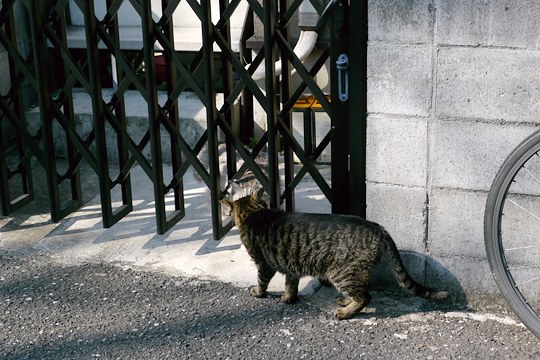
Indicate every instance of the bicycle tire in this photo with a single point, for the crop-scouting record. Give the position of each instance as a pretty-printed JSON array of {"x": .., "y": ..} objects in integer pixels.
[{"x": 497, "y": 249}]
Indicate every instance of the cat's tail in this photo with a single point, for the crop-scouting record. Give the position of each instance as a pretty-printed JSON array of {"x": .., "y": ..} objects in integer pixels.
[{"x": 391, "y": 254}]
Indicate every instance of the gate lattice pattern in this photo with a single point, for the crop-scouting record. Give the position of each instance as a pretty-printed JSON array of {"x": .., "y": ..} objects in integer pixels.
[{"x": 54, "y": 86}]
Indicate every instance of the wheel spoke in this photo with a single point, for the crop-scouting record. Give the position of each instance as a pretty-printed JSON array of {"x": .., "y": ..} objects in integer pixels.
[
  {"x": 521, "y": 247},
  {"x": 522, "y": 208},
  {"x": 527, "y": 281},
  {"x": 522, "y": 267},
  {"x": 530, "y": 173}
]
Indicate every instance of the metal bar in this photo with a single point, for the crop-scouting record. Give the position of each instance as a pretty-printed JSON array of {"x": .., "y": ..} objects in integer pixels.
[
  {"x": 318, "y": 151},
  {"x": 246, "y": 119},
  {"x": 269, "y": 7},
  {"x": 5, "y": 194},
  {"x": 39, "y": 45},
  {"x": 308, "y": 164},
  {"x": 339, "y": 43},
  {"x": 257, "y": 8},
  {"x": 14, "y": 119},
  {"x": 309, "y": 131},
  {"x": 73, "y": 173},
  {"x": 288, "y": 10},
  {"x": 99, "y": 113},
  {"x": 358, "y": 33},
  {"x": 174, "y": 118},
  {"x": 60, "y": 45},
  {"x": 5, "y": 197},
  {"x": 244, "y": 75},
  {"x": 119, "y": 109},
  {"x": 227, "y": 77},
  {"x": 25, "y": 165},
  {"x": 14, "y": 55},
  {"x": 308, "y": 79},
  {"x": 302, "y": 86},
  {"x": 9, "y": 205},
  {"x": 248, "y": 156},
  {"x": 212, "y": 117},
  {"x": 153, "y": 116},
  {"x": 188, "y": 75},
  {"x": 288, "y": 153}
]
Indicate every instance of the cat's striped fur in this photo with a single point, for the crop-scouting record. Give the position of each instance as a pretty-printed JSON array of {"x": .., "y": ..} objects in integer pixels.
[{"x": 343, "y": 249}]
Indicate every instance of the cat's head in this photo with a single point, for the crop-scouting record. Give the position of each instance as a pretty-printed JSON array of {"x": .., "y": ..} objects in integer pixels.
[
  {"x": 237, "y": 190},
  {"x": 240, "y": 209}
]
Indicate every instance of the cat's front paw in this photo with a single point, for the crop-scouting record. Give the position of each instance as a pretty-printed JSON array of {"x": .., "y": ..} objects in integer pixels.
[
  {"x": 257, "y": 292},
  {"x": 289, "y": 299}
]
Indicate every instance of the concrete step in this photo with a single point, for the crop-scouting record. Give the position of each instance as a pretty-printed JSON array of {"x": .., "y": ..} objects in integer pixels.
[{"x": 192, "y": 120}]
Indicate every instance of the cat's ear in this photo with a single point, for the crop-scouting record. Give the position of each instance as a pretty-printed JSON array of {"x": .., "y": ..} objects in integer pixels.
[
  {"x": 227, "y": 205},
  {"x": 233, "y": 184},
  {"x": 258, "y": 195}
]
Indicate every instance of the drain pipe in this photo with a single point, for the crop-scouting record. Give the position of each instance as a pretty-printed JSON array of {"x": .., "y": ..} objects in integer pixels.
[{"x": 308, "y": 21}]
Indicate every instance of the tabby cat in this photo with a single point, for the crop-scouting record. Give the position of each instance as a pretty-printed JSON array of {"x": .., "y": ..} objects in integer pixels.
[{"x": 341, "y": 248}]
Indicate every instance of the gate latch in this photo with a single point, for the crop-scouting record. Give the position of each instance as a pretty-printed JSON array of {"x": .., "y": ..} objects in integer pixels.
[{"x": 342, "y": 64}]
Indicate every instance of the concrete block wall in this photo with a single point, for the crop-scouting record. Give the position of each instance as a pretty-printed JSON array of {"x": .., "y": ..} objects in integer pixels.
[{"x": 453, "y": 87}]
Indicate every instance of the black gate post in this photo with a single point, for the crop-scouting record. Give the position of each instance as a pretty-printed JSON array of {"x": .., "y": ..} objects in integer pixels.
[
  {"x": 98, "y": 113},
  {"x": 211, "y": 121},
  {"x": 358, "y": 39},
  {"x": 285, "y": 93},
  {"x": 339, "y": 44},
  {"x": 119, "y": 109},
  {"x": 269, "y": 23}
]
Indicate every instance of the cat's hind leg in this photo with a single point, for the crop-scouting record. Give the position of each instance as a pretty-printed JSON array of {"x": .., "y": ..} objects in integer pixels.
[
  {"x": 353, "y": 307},
  {"x": 353, "y": 281},
  {"x": 264, "y": 275},
  {"x": 344, "y": 301},
  {"x": 291, "y": 289}
]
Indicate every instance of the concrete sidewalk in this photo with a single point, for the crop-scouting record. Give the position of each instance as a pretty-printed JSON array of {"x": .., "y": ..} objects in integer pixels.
[{"x": 187, "y": 250}]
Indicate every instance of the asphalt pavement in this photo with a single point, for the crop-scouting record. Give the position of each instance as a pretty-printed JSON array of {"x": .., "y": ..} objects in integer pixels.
[
  {"x": 102, "y": 311},
  {"x": 74, "y": 290}
]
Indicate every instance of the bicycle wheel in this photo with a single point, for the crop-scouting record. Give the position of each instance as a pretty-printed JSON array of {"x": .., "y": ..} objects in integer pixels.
[{"x": 512, "y": 231}]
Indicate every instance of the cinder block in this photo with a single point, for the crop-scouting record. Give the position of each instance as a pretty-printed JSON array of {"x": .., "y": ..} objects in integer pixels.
[
  {"x": 488, "y": 23},
  {"x": 396, "y": 150},
  {"x": 402, "y": 211},
  {"x": 399, "y": 79},
  {"x": 401, "y": 21},
  {"x": 495, "y": 84},
  {"x": 467, "y": 155},
  {"x": 456, "y": 223}
]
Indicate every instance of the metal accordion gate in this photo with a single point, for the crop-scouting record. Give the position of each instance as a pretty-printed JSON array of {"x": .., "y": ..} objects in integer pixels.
[{"x": 51, "y": 71}]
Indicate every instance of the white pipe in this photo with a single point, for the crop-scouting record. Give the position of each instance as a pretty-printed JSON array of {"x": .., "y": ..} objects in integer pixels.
[
  {"x": 306, "y": 40},
  {"x": 304, "y": 47}
]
